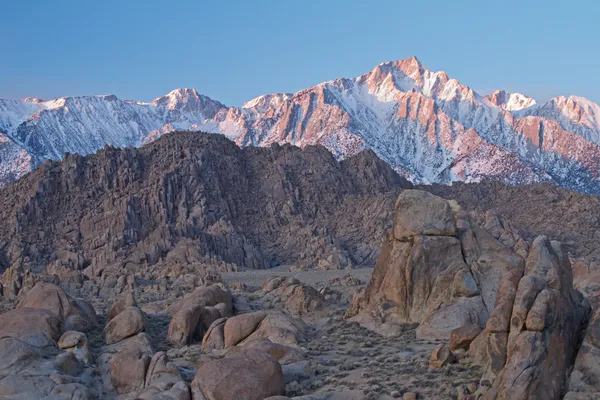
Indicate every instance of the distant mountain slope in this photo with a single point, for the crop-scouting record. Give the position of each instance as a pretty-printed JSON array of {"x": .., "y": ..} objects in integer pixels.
[{"x": 427, "y": 126}]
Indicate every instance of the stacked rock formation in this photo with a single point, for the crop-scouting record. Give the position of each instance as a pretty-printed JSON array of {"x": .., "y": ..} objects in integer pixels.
[{"x": 514, "y": 308}]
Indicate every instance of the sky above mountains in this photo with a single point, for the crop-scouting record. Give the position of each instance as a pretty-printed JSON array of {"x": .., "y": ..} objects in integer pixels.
[{"x": 236, "y": 50}]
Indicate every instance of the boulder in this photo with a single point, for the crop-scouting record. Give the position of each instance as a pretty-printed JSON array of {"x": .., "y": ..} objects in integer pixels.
[
  {"x": 128, "y": 323},
  {"x": 74, "y": 313},
  {"x": 461, "y": 338},
  {"x": 441, "y": 356},
  {"x": 215, "y": 336},
  {"x": 224, "y": 310},
  {"x": 420, "y": 213},
  {"x": 16, "y": 354},
  {"x": 37, "y": 327},
  {"x": 239, "y": 327},
  {"x": 208, "y": 295},
  {"x": 300, "y": 298},
  {"x": 124, "y": 301},
  {"x": 279, "y": 328},
  {"x": 208, "y": 315},
  {"x": 163, "y": 381},
  {"x": 76, "y": 343},
  {"x": 161, "y": 373},
  {"x": 251, "y": 375},
  {"x": 284, "y": 354},
  {"x": 137, "y": 344},
  {"x": 191, "y": 318},
  {"x": 128, "y": 370},
  {"x": 68, "y": 364},
  {"x": 183, "y": 324}
]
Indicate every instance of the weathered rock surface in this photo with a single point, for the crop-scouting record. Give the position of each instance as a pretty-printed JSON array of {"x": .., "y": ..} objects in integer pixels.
[
  {"x": 275, "y": 326},
  {"x": 441, "y": 356},
  {"x": 251, "y": 375},
  {"x": 193, "y": 315},
  {"x": 429, "y": 215},
  {"x": 456, "y": 282},
  {"x": 239, "y": 327},
  {"x": 124, "y": 301},
  {"x": 584, "y": 382},
  {"x": 39, "y": 328},
  {"x": 295, "y": 296},
  {"x": 76, "y": 314},
  {"x": 532, "y": 337},
  {"x": 77, "y": 343},
  {"x": 422, "y": 275},
  {"x": 129, "y": 322},
  {"x": 128, "y": 370}
]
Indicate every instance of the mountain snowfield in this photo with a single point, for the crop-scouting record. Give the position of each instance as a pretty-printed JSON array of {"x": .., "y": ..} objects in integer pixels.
[{"x": 429, "y": 127}]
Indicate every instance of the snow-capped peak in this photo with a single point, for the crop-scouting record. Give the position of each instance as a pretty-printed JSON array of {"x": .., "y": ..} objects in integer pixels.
[
  {"x": 268, "y": 100},
  {"x": 425, "y": 124},
  {"x": 510, "y": 101},
  {"x": 33, "y": 100},
  {"x": 578, "y": 109},
  {"x": 175, "y": 98}
]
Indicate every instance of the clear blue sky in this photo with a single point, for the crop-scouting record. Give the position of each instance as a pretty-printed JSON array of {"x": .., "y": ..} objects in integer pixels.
[{"x": 236, "y": 50}]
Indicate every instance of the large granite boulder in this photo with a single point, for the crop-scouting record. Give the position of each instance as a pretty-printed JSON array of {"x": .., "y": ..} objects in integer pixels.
[
  {"x": 251, "y": 375},
  {"x": 291, "y": 294},
  {"x": 275, "y": 326},
  {"x": 129, "y": 322},
  {"x": 37, "y": 327},
  {"x": 76, "y": 314}
]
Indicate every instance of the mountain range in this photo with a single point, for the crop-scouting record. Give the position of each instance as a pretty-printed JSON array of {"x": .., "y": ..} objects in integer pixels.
[{"x": 429, "y": 127}]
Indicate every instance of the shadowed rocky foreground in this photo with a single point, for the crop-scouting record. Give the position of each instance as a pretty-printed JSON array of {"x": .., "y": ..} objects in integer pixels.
[{"x": 143, "y": 274}]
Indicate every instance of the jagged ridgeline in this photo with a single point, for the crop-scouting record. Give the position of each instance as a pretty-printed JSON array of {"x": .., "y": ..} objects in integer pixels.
[{"x": 194, "y": 197}]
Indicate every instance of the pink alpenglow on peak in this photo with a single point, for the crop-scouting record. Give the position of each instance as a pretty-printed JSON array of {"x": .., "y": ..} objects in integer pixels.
[{"x": 428, "y": 126}]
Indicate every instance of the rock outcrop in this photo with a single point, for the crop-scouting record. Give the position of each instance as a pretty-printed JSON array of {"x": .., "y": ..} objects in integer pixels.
[
  {"x": 584, "y": 382},
  {"x": 295, "y": 296},
  {"x": 533, "y": 334},
  {"x": 513, "y": 305},
  {"x": 193, "y": 315},
  {"x": 128, "y": 322},
  {"x": 429, "y": 270},
  {"x": 275, "y": 326}
]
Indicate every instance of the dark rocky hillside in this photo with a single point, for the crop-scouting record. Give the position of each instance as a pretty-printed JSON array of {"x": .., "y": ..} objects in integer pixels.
[
  {"x": 191, "y": 197},
  {"x": 571, "y": 217}
]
